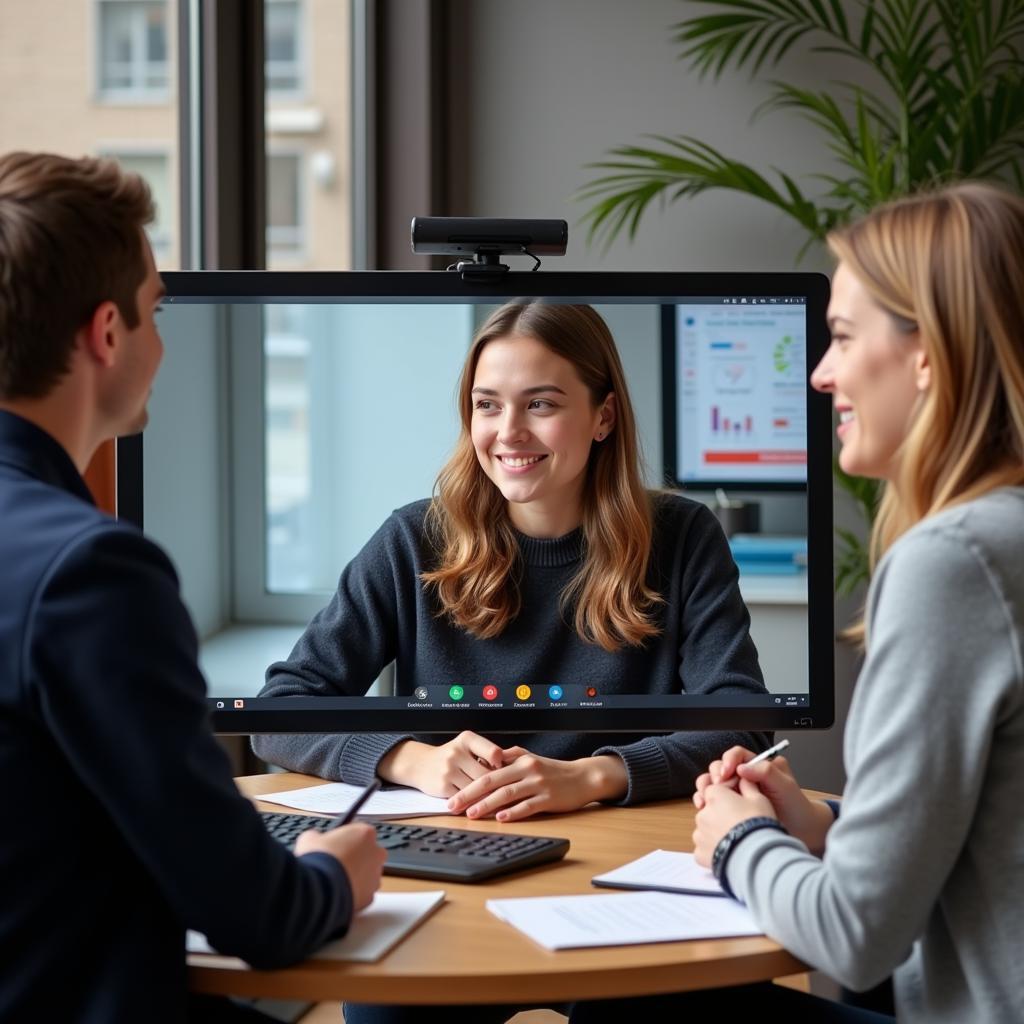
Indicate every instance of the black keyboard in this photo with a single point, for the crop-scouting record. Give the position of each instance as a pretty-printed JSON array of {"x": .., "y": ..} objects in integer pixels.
[{"x": 425, "y": 851}]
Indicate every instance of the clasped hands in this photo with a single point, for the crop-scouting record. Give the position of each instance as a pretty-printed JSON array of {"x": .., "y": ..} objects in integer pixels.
[
  {"x": 482, "y": 779},
  {"x": 731, "y": 791}
]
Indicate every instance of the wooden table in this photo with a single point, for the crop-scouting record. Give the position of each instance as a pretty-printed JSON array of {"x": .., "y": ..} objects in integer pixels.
[{"x": 463, "y": 954}]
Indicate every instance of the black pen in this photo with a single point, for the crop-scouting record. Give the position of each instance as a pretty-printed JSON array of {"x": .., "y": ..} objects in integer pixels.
[{"x": 346, "y": 818}]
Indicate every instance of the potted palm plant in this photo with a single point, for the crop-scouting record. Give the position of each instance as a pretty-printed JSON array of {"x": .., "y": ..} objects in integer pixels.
[{"x": 948, "y": 104}]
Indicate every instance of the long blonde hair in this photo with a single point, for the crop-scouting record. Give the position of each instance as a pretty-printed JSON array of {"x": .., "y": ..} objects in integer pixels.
[
  {"x": 475, "y": 579},
  {"x": 951, "y": 263}
]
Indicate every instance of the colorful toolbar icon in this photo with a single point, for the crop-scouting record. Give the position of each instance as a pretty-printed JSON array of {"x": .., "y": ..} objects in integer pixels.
[
  {"x": 591, "y": 692},
  {"x": 554, "y": 693},
  {"x": 523, "y": 692},
  {"x": 421, "y": 693},
  {"x": 456, "y": 693},
  {"x": 490, "y": 693}
]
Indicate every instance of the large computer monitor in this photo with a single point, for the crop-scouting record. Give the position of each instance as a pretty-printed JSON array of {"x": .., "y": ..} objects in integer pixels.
[{"x": 295, "y": 411}]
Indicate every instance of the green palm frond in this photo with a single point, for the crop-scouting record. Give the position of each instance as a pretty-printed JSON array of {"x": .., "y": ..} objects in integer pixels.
[
  {"x": 852, "y": 567},
  {"x": 866, "y": 493},
  {"x": 852, "y": 563},
  {"x": 949, "y": 105},
  {"x": 751, "y": 32},
  {"x": 864, "y": 141},
  {"x": 681, "y": 167}
]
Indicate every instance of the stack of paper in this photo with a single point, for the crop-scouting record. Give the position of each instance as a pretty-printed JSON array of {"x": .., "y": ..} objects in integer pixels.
[
  {"x": 574, "y": 922},
  {"x": 375, "y": 930},
  {"x": 337, "y": 797},
  {"x": 663, "y": 871}
]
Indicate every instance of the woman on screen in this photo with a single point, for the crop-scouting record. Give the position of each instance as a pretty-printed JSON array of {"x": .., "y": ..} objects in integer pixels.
[
  {"x": 540, "y": 561},
  {"x": 922, "y": 874}
]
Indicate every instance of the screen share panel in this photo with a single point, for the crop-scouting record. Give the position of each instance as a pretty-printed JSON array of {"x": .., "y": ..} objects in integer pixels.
[
  {"x": 737, "y": 392},
  {"x": 293, "y": 413}
]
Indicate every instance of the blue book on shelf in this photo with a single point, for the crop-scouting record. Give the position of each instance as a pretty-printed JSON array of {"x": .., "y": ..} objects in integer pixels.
[
  {"x": 769, "y": 568},
  {"x": 763, "y": 554}
]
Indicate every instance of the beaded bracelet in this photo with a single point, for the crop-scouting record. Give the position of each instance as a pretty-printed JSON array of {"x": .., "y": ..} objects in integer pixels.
[{"x": 729, "y": 842}]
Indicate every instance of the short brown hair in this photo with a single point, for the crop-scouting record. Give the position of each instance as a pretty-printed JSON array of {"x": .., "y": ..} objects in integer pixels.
[{"x": 70, "y": 239}]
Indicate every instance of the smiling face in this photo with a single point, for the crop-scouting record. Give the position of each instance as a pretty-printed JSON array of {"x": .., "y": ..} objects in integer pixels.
[
  {"x": 533, "y": 425},
  {"x": 875, "y": 373}
]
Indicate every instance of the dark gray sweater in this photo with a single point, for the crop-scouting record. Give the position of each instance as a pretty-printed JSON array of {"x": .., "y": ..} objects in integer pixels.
[{"x": 382, "y": 612}]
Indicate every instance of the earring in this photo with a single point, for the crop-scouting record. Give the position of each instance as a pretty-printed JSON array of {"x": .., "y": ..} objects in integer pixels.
[{"x": 600, "y": 437}]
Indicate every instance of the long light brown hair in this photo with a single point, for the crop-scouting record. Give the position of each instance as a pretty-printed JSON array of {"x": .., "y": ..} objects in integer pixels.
[
  {"x": 950, "y": 263},
  {"x": 475, "y": 579}
]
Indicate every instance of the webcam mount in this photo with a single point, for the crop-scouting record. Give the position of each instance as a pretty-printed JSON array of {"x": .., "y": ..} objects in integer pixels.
[{"x": 482, "y": 240}]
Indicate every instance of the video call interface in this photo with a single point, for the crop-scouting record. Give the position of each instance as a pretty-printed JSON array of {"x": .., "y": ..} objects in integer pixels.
[{"x": 288, "y": 431}]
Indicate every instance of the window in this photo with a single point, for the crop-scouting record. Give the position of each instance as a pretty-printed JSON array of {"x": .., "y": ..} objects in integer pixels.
[
  {"x": 133, "y": 61},
  {"x": 58, "y": 80},
  {"x": 283, "y": 39},
  {"x": 335, "y": 393},
  {"x": 307, "y": 60},
  {"x": 154, "y": 167},
  {"x": 287, "y": 481},
  {"x": 286, "y": 232}
]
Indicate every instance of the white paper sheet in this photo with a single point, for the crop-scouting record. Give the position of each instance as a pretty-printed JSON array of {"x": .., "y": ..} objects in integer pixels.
[
  {"x": 375, "y": 930},
  {"x": 664, "y": 870},
  {"x": 337, "y": 797},
  {"x": 623, "y": 919}
]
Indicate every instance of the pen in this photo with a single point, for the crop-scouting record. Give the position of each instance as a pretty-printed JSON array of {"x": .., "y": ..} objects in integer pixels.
[
  {"x": 346, "y": 818},
  {"x": 765, "y": 755}
]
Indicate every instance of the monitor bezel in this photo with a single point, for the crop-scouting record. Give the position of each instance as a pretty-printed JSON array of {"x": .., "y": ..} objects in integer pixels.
[{"x": 658, "y": 288}]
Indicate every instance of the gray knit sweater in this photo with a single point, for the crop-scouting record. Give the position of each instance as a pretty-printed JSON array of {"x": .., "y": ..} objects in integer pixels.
[
  {"x": 924, "y": 870},
  {"x": 381, "y": 611}
]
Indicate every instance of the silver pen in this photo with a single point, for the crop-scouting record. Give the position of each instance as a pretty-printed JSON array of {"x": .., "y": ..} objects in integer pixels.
[{"x": 765, "y": 755}]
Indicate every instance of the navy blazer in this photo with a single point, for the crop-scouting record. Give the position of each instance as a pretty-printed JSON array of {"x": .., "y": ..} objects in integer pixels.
[{"x": 122, "y": 823}]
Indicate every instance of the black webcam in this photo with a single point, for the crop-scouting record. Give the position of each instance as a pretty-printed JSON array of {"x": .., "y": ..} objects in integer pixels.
[{"x": 483, "y": 239}]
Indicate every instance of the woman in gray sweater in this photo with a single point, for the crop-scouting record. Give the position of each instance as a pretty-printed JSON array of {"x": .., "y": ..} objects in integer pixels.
[{"x": 921, "y": 876}]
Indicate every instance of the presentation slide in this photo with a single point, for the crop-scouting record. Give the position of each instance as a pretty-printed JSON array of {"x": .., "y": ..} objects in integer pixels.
[{"x": 742, "y": 392}]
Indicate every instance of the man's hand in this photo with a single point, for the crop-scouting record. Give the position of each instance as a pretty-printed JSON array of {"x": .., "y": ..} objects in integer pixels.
[
  {"x": 807, "y": 820},
  {"x": 443, "y": 770},
  {"x": 724, "y": 807},
  {"x": 529, "y": 784},
  {"x": 355, "y": 848}
]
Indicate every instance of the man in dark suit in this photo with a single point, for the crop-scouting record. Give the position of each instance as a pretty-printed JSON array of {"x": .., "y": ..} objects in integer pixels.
[{"x": 123, "y": 826}]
